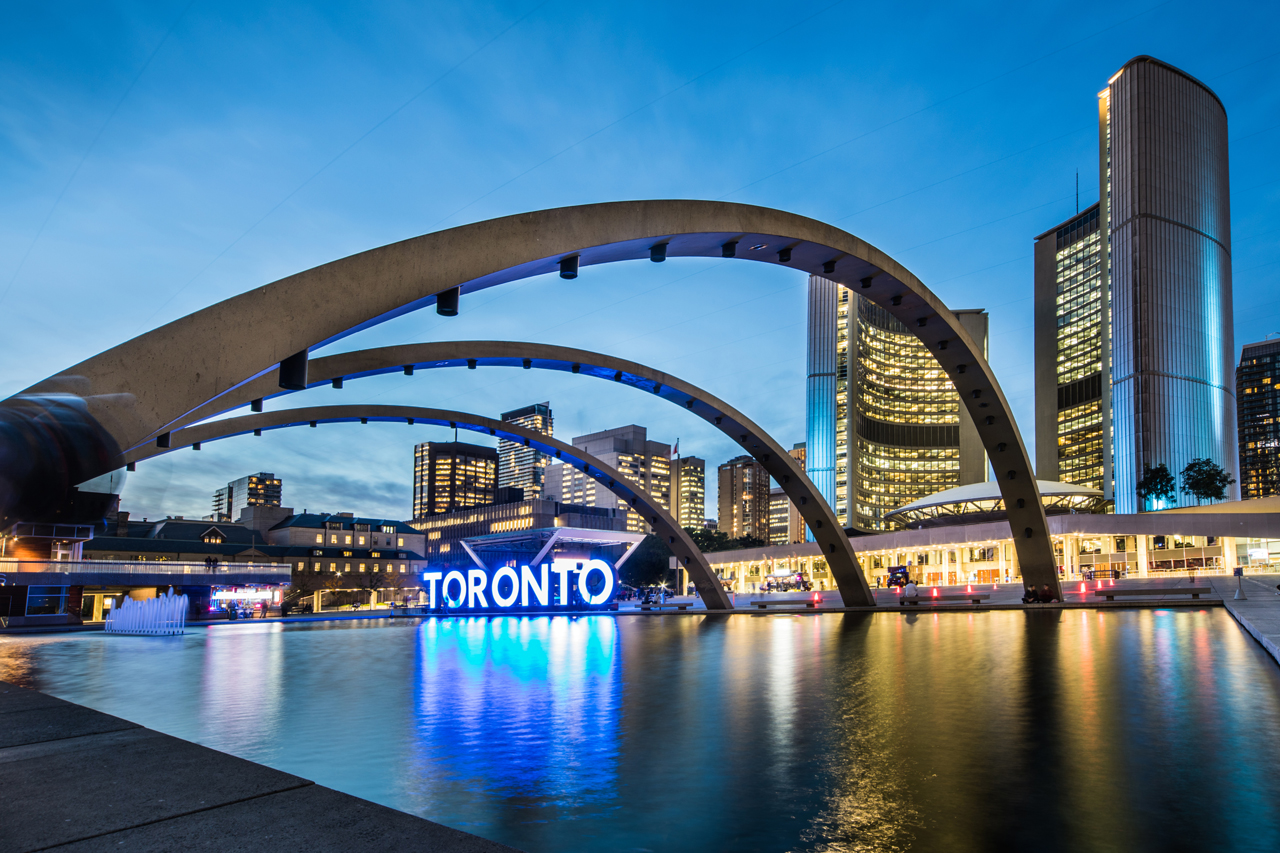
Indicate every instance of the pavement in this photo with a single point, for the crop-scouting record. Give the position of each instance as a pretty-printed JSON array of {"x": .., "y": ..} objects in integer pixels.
[
  {"x": 1259, "y": 612},
  {"x": 75, "y": 779}
]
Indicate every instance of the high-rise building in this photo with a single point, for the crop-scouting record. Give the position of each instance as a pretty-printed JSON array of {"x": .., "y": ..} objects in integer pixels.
[
  {"x": 689, "y": 491},
  {"x": 795, "y": 522},
  {"x": 448, "y": 476},
  {"x": 1072, "y": 341},
  {"x": 743, "y": 498},
  {"x": 520, "y": 466},
  {"x": 779, "y": 516},
  {"x": 885, "y": 424},
  {"x": 261, "y": 489},
  {"x": 1258, "y": 404},
  {"x": 628, "y": 449},
  {"x": 1134, "y": 338}
]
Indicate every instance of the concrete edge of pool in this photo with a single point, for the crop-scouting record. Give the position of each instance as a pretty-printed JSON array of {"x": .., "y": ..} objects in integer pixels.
[{"x": 77, "y": 779}]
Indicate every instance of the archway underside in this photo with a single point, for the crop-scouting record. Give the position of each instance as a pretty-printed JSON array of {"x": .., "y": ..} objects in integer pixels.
[
  {"x": 663, "y": 524},
  {"x": 141, "y": 388},
  {"x": 817, "y": 513}
]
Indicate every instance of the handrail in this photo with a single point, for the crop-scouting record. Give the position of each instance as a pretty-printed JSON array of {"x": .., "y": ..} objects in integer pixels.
[{"x": 141, "y": 567}]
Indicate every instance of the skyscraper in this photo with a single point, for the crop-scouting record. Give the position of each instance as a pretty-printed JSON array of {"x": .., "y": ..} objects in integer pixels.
[
  {"x": 261, "y": 489},
  {"x": 1134, "y": 339},
  {"x": 628, "y": 449},
  {"x": 452, "y": 475},
  {"x": 520, "y": 466},
  {"x": 689, "y": 491},
  {"x": 885, "y": 424},
  {"x": 744, "y": 498},
  {"x": 1258, "y": 396},
  {"x": 1072, "y": 342}
]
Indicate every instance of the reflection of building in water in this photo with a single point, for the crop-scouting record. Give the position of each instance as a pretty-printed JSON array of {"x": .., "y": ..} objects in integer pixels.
[{"x": 961, "y": 536}]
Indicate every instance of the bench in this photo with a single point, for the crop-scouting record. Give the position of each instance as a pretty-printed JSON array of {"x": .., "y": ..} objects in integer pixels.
[
  {"x": 975, "y": 597},
  {"x": 794, "y": 602},
  {"x": 677, "y": 605},
  {"x": 1193, "y": 591}
]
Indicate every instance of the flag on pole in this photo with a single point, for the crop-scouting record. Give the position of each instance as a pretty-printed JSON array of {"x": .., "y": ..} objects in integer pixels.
[{"x": 675, "y": 450}]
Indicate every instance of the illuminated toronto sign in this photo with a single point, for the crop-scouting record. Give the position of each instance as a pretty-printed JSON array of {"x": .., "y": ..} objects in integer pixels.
[{"x": 563, "y": 584}]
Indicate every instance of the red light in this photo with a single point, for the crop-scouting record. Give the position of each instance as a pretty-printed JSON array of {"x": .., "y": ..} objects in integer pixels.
[
  {"x": 935, "y": 591},
  {"x": 1082, "y": 588}
]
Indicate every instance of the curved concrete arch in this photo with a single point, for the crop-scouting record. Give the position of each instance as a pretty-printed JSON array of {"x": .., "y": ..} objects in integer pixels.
[
  {"x": 817, "y": 513},
  {"x": 700, "y": 572},
  {"x": 140, "y": 388}
]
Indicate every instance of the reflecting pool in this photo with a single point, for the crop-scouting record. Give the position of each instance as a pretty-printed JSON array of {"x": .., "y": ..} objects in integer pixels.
[{"x": 1069, "y": 730}]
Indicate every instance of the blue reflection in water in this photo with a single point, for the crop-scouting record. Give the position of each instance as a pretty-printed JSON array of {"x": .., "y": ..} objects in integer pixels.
[{"x": 1078, "y": 730}]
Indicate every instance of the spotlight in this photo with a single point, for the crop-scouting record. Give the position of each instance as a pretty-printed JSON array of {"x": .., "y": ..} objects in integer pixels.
[
  {"x": 408, "y": 370},
  {"x": 897, "y": 300},
  {"x": 658, "y": 253},
  {"x": 132, "y": 466},
  {"x": 256, "y": 405},
  {"x": 569, "y": 267},
  {"x": 729, "y": 250},
  {"x": 865, "y": 282},
  {"x": 828, "y": 267},
  {"x": 447, "y": 302},
  {"x": 337, "y": 382},
  {"x": 471, "y": 364},
  {"x": 784, "y": 255},
  {"x": 528, "y": 363}
]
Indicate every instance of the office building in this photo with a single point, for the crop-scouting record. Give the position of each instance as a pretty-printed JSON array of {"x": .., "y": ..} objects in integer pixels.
[
  {"x": 1073, "y": 387},
  {"x": 1134, "y": 340},
  {"x": 525, "y": 467},
  {"x": 743, "y": 499},
  {"x": 885, "y": 424},
  {"x": 627, "y": 449},
  {"x": 689, "y": 491},
  {"x": 1258, "y": 405},
  {"x": 795, "y": 522},
  {"x": 779, "y": 516},
  {"x": 448, "y": 476},
  {"x": 255, "y": 490}
]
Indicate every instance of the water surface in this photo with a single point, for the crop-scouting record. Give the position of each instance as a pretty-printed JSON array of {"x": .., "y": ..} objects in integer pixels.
[{"x": 1068, "y": 730}]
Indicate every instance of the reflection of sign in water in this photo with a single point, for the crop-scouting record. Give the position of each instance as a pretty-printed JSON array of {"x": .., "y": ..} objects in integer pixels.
[{"x": 561, "y": 584}]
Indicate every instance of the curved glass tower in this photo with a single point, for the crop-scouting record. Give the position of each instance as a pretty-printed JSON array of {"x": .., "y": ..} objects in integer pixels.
[{"x": 1166, "y": 208}]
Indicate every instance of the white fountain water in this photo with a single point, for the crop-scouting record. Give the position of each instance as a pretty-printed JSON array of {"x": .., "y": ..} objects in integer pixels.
[{"x": 165, "y": 614}]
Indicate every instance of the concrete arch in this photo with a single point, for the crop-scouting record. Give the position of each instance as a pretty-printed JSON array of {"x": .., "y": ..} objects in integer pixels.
[
  {"x": 818, "y": 515},
  {"x": 712, "y": 592},
  {"x": 139, "y": 389}
]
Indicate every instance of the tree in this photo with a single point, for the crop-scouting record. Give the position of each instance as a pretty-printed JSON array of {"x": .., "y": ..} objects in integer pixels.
[
  {"x": 648, "y": 565},
  {"x": 1205, "y": 480},
  {"x": 709, "y": 541},
  {"x": 1156, "y": 484}
]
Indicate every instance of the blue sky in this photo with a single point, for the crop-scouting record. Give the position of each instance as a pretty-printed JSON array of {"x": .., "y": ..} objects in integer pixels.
[{"x": 159, "y": 157}]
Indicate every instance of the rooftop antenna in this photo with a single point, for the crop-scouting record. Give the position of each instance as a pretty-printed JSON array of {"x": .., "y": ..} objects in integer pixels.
[{"x": 1077, "y": 192}]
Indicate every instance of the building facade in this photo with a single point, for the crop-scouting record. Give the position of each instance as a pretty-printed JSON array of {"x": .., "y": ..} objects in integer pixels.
[
  {"x": 448, "y": 476},
  {"x": 689, "y": 491},
  {"x": 261, "y": 489},
  {"x": 779, "y": 516},
  {"x": 743, "y": 498},
  {"x": 885, "y": 424},
  {"x": 627, "y": 449},
  {"x": 525, "y": 467},
  {"x": 1072, "y": 361},
  {"x": 1258, "y": 407},
  {"x": 1165, "y": 207}
]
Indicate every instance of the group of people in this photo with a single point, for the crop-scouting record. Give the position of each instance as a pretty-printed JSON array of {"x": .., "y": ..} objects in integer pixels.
[{"x": 1044, "y": 596}]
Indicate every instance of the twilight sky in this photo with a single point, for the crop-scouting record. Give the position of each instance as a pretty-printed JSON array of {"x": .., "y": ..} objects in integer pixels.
[{"x": 159, "y": 157}]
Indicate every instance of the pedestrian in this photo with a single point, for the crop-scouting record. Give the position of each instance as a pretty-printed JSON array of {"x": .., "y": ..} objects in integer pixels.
[
  {"x": 1031, "y": 596},
  {"x": 911, "y": 590},
  {"x": 1047, "y": 595}
]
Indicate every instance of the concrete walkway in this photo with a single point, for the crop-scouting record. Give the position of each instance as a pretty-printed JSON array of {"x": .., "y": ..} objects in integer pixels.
[
  {"x": 75, "y": 779},
  {"x": 1259, "y": 615}
]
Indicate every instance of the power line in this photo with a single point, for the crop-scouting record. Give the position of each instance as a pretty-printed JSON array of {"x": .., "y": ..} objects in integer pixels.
[
  {"x": 89, "y": 150},
  {"x": 343, "y": 152}
]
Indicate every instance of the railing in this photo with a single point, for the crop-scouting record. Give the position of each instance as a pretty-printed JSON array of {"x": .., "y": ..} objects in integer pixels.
[{"x": 142, "y": 567}]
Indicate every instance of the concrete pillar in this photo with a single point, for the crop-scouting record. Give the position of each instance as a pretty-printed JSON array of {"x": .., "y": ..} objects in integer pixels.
[
  {"x": 317, "y": 598},
  {"x": 373, "y": 598},
  {"x": 1228, "y": 552},
  {"x": 1142, "y": 556}
]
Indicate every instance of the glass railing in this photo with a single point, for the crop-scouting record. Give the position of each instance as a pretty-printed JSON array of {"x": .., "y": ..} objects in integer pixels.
[{"x": 142, "y": 567}]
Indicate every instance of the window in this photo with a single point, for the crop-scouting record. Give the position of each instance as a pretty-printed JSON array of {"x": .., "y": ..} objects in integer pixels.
[
  {"x": 319, "y": 538},
  {"x": 388, "y": 528},
  {"x": 46, "y": 600},
  {"x": 402, "y": 568},
  {"x": 400, "y": 542},
  {"x": 362, "y": 567},
  {"x": 361, "y": 542},
  {"x": 347, "y": 540},
  {"x": 333, "y": 539}
]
